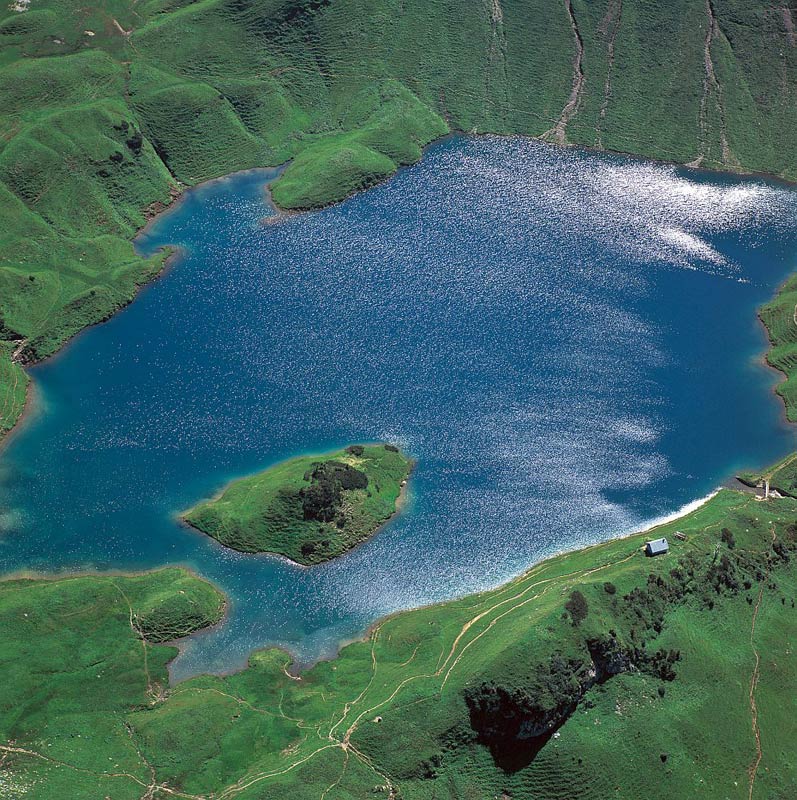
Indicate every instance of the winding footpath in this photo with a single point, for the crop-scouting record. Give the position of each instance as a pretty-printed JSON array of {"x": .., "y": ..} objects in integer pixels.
[{"x": 753, "y": 770}]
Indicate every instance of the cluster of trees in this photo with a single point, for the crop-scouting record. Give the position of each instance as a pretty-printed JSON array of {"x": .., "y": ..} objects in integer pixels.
[
  {"x": 522, "y": 709},
  {"x": 328, "y": 480}
]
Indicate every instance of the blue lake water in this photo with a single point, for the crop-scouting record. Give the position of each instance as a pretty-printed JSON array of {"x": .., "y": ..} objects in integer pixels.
[{"x": 566, "y": 342}]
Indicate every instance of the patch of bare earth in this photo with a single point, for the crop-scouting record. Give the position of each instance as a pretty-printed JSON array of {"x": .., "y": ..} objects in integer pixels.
[
  {"x": 496, "y": 54},
  {"x": 788, "y": 24},
  {"x": 608, "y": 28},
  {"x": 558, "y": 133},
  {"x": 712, "y": 92}
]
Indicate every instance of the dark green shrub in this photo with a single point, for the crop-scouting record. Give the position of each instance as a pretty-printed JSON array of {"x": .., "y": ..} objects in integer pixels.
[
  {"x": 577, "y": 607},
  {"x": 728, "y": 538}
]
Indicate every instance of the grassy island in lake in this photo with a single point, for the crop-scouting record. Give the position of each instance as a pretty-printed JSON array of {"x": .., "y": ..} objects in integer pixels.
[{"x": 309, "y": 509}]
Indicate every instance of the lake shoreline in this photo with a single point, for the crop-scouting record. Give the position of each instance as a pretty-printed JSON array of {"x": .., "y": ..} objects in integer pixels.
[
  {"x": 172, "y": 258},
  {"x": 282, "y": 214},
  {"x": 668, "y": 519},
  {"x": 297, "y": 667}
]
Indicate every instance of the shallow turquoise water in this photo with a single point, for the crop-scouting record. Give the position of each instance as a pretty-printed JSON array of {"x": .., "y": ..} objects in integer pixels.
[{"x": 565, "y": 341}]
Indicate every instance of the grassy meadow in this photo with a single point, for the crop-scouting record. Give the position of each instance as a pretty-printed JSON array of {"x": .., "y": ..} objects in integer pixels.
[
  {"x": 599, "y": 673},
  {"x": 309, "y": 509}
]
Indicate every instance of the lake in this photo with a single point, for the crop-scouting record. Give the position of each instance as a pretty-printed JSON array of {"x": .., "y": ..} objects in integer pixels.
[{"x": 566, "y": 342}]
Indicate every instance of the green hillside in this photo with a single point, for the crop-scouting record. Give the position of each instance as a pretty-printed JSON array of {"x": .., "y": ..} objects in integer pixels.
[
  {"x": 780, "y": 319},
  {"x": 600, "y": 673},
  {"x": 309, "y": 509},
  {"x": 108, "y": 109},
  {"x": 597, "y": 674}
]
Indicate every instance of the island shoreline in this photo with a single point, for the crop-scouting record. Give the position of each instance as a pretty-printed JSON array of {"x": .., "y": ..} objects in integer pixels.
[
  {"x": 296, "y": 666},
  {"x": 180, "y": 516},
  {"x": 184, "y": 523}
]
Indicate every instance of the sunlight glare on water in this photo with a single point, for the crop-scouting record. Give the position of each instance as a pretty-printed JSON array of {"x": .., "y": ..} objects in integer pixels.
[{"x": 565, "y": 341}]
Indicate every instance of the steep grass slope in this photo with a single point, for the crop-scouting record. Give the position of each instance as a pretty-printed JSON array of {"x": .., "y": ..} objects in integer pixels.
[
  {"x": 597, "y": 674},
  {"x": 77, "y": 655},
  {"x": 108, "y": 109}
]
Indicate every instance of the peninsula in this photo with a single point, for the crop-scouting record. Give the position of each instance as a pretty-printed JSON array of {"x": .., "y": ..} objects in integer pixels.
[{"x": 309, "y": 509}]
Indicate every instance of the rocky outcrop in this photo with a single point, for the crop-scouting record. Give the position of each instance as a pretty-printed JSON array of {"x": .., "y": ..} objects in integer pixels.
[{"x": 516, "y": 721}]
